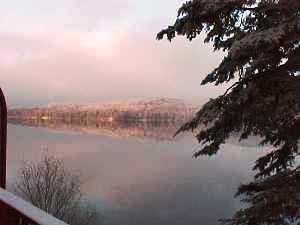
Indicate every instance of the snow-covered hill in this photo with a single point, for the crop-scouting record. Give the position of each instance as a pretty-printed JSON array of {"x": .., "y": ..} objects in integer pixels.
[{"x": 161, "y": 109}]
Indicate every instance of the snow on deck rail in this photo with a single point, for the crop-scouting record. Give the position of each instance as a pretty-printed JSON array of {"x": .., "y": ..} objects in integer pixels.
[{"x": 27, "y": 210}]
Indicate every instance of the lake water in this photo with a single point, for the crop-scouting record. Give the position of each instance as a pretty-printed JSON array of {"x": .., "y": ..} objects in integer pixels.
[{"x": 140, "y": 175}]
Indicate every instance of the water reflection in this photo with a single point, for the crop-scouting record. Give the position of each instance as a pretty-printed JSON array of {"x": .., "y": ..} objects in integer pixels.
[
  {"x": 140, "y": 180},
  {"x": 157, "y": 131}
]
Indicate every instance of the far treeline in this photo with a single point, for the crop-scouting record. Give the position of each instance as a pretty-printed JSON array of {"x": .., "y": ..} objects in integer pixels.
[{"x": 175, "y": 114}]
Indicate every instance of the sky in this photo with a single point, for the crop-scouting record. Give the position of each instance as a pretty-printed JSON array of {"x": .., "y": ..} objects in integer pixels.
[{"x": 78, "y": 51}]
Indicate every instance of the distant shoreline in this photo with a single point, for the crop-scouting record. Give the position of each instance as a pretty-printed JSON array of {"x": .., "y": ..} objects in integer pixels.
[{"x": 151, "y": 111}]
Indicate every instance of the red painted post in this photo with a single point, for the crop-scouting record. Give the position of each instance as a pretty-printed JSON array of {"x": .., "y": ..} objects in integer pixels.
[
  {"x": 10, "y": 216},
  {"x": 3, "y": 138}
]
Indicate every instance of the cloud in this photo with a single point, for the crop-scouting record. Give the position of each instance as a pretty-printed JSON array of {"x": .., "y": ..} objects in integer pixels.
[
  {"x": 74, "y": 50},
  {"x": 80, "y": 67},
  {"x": 83, "y": 15},
  {"x": 60, "y": 14}
]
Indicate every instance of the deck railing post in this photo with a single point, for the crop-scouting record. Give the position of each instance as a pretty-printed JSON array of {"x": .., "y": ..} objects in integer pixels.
[{"x": 3, "y": 138}]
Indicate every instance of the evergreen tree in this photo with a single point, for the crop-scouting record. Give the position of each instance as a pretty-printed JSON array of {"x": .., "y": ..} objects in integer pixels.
[{"x": 261, "y": 39}]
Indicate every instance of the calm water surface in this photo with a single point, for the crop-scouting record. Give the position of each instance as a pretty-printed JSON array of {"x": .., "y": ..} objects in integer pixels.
[{"x": 139, "y": 178}]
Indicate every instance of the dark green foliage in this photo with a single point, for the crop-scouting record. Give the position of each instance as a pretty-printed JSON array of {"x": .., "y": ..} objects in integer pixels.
[
  {"x": 261, "y": 40},
  {"x": 273, "y": 201}
]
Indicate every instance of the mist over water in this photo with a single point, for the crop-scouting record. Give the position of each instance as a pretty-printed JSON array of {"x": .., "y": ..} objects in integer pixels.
[{"x": 139, "y": 179}]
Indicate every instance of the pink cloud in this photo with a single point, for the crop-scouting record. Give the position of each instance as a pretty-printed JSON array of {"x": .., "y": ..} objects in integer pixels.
[{"x": 81, "y": 66}]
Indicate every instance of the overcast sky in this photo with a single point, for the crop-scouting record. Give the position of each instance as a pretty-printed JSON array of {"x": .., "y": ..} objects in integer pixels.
[{"x": 94, "y": 50}]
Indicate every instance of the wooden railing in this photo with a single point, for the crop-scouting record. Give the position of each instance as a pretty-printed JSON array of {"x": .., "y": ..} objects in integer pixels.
[
  {"x": 3, "y": 138},
  {"x": 16, "y": 211}
]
